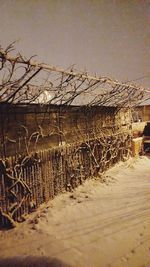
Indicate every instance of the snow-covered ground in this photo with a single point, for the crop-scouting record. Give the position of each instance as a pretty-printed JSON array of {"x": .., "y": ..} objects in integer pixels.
[{"x": 98, "y": 225}]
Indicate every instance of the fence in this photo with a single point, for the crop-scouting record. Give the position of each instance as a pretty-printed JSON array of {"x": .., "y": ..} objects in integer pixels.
[{"x": 26, "y": 182}]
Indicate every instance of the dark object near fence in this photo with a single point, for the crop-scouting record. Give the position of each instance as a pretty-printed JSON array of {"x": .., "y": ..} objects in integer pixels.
[{"x": 146, "y": 139}]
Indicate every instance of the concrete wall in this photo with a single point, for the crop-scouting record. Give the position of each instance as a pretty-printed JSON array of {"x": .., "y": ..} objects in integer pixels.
[{"x": 38, "y": 127}]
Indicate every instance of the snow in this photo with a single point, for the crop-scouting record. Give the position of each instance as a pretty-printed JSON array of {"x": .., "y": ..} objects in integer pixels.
[{"x": 104, "y": 222}]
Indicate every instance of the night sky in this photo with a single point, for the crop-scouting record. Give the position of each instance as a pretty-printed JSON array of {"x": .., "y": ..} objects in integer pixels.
[{"x": 106, "y": 37}]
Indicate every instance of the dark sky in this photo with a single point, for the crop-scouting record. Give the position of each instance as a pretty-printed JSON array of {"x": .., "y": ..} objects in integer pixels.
[{"x": 107, "y": 37}]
